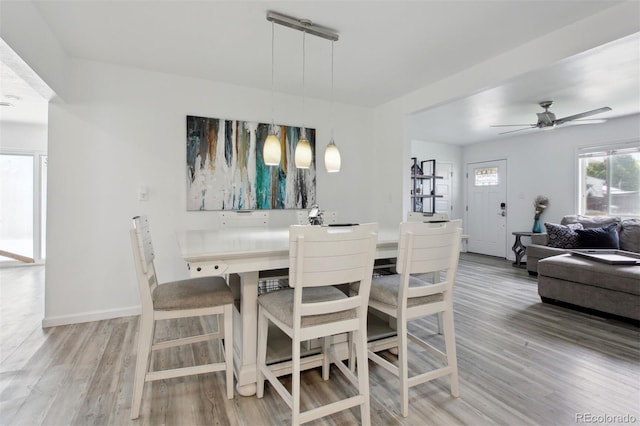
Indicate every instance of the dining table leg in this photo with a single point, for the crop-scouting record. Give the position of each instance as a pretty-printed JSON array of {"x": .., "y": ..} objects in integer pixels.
[{"x": 247, "y": 321}]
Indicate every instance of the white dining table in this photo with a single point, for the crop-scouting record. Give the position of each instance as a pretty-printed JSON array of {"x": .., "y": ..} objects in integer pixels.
[{"x": 247, "y": 252}]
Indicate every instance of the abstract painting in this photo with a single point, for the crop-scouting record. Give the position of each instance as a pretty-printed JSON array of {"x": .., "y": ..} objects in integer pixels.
[{"x": 225, "y": 169}]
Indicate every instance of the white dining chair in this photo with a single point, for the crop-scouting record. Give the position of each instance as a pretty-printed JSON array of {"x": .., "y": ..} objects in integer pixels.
[
  {"x": 328, "y": 217},
  {"x": 426, "y": 217},
  {"x": 244, "y": 219},
  {"x": 433, "y": 250},
  {"x": 319, "y": 258},
  {"x": 302, "y": 217},
  {"x": 430, "y": 218},
  {"x": 193, "y": 297}
]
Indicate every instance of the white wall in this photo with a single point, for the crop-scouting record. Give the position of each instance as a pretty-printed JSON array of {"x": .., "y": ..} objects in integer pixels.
[{"x": 123, "y": 128}]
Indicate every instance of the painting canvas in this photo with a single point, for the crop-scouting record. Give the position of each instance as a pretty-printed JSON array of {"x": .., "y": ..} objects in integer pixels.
[{"x": 225, "y": 169}]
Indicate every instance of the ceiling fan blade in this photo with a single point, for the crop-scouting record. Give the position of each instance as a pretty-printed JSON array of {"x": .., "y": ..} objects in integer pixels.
[
  {"x": 588, "y": 121},
  {"x": 582, "y": 115},
  {"x": 511, "y": 125},
  {"x": 517, "y": 130}
]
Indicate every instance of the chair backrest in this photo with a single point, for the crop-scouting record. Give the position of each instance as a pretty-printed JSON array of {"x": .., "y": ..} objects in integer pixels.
[
  {"x": 302, "y": 217},
  {"x": 143, "y": 256},
  {"x": 426, "y": 217},
  {"x": 327, "y": 217},
  {"x": 323, "y": 256},
  {"x": 244, "y": 219},
  {"x": 428, "y": 247}
]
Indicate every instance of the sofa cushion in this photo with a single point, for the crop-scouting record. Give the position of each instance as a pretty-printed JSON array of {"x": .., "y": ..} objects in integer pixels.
[
  {"x": 562, "y": 236},
  {"x": 629, "y": 234},
  {"x": 589, "y": 221},
  {"x": 605, "y": 237},
  {"x": 624, "y": 278}
]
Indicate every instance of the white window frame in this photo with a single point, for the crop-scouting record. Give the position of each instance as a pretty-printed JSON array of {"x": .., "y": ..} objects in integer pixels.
[{"x": 601, "y": 150}]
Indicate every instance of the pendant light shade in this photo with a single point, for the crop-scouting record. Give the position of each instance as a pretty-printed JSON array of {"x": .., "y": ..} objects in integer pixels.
[
  {"x": 303, "y": 152},
  {"x": 332, "y": 161},
  {"x": 271, "y": 151}
]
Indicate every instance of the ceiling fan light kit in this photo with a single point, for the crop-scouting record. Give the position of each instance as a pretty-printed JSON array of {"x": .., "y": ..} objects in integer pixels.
[{"x": 547, "y": 119}]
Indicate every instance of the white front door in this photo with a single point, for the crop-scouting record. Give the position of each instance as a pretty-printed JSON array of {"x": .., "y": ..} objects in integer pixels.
[{"x": 486, "y": 208}]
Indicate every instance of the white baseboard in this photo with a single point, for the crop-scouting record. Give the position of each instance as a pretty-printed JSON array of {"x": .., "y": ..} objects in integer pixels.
[{"x": 91, "y": 316}]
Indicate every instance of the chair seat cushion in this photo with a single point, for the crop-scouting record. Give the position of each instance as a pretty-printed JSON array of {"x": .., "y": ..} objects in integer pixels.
[
  {"x": 385, "y": 289},
  {"x": 192, "y": 293},
  {"x": 280, "y": 305}
]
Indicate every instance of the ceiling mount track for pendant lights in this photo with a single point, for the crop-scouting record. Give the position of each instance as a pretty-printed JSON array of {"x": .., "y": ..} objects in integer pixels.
[{"x": 304, "y": 25}]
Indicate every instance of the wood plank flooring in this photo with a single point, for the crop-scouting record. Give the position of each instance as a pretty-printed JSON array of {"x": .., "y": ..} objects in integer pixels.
[{"x": 521, "y": 362}]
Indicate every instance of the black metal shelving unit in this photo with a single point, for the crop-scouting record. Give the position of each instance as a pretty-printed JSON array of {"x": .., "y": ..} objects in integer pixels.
[{"x": 420, "y": 179}]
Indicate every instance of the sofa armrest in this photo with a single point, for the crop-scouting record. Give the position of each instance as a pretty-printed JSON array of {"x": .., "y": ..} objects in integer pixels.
[
  {"x": 540, "y": 239},
  {"x": 536, "y": 252}
]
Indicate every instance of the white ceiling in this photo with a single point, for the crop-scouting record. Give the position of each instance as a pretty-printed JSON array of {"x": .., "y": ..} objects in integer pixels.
[
  {"x": 386, "y": 49},
  {"x": 24, "y": 96}
]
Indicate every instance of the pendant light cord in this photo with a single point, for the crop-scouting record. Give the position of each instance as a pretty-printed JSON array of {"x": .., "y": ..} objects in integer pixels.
[
  {"x": 332, "y": 124},
  {"x": 304, "y": 127},
  {"x": 272, "y": 72}
]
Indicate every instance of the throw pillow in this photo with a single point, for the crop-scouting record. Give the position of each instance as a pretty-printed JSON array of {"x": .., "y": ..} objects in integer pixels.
[
  {"x": 562, "y": 236},
  {"x": 605, "y": 237}
]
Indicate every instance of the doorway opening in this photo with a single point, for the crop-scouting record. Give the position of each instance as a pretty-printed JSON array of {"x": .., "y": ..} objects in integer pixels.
[{"x": 23, "y": 192}]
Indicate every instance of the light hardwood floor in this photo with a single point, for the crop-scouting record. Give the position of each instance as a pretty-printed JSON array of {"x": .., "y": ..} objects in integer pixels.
[{"x": 521, "y": 363}]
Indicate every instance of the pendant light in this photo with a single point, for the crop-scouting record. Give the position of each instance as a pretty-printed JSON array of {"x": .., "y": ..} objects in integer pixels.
[
  {"x": 332, "y": 160},
  {"x": 303, "y": 153},
  {"x": 272, "y": 151},
  {"x": 303, "y": 148}
]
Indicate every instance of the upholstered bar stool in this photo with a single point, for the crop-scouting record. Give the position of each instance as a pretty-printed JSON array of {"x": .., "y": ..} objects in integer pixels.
[
  {"x": 191, "y": 297},
  {"x": 320, "y": 258},
  {"x": 424, "y": 248}
]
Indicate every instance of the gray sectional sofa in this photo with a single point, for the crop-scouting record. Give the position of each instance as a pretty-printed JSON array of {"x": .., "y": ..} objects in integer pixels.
[
  {"x": 562, "y": 277},
  {"x": 541, "y": 247}
]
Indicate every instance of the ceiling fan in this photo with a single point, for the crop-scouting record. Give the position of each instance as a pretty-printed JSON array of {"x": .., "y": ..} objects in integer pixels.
[{"x": 548, "y": 119}]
